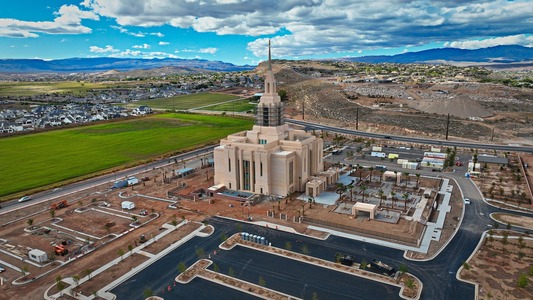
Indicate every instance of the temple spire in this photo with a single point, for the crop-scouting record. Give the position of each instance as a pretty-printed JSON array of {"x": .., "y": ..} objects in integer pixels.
[{"x": 269, "y": 57}]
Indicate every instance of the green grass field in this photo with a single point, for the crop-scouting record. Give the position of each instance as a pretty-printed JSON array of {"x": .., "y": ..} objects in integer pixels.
[
  {"x": 185, "y": 101},
  {"x": 239, "y": 106},
  {"x": 37, "y": 160},
  {"x": 36, "y": 88}
]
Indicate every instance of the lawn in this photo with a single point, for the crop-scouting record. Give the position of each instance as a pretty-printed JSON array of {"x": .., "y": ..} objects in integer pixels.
[
  {"x": 238, "y": 105},
  {"x": 36, "y": 160},
  {"x": 36, "y": 88},
  {"x": 184, "y": 102}
]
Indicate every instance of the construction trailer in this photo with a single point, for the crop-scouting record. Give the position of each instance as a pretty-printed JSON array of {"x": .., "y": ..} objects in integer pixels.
[
  {"x": 378, "y": 154},
  {"x": 38, "y": 255},
  {"x": 127, "y": 205}
]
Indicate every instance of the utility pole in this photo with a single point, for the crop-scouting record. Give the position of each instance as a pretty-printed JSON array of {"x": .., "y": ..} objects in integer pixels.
[
  {"x": 447, "y": 126},
  {"x": 357, "y": 118},
  {"x": 492, "y": 135},
  {"x": 303, "y": 108}
]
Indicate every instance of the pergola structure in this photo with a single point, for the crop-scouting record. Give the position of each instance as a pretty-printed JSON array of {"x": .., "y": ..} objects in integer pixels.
[{"x": 370, "y": 208}]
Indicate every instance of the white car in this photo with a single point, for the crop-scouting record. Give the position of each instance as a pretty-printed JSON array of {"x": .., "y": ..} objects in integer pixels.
[
  {"x": 25, "y": 198},
  {"x": 467, "y": 201}
]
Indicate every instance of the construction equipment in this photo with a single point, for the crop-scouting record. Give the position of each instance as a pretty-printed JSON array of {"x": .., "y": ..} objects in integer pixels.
[
  {"x": 59, "y": 205},
  {"x": 60, "y": 250}
]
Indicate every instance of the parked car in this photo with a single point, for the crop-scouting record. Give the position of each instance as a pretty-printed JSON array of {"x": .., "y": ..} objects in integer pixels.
[
  {"x": 467, "y": 201},
  {"x": 25, "y": 198},
  {"x": 2, "y": 269}
]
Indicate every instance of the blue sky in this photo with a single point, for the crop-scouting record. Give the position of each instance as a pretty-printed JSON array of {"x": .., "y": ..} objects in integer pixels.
[{"x": 237, "y": 31}]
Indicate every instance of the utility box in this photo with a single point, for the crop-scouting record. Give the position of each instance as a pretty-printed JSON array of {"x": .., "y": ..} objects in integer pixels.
[
  {"x": 38, "y": 255},
  {"x": 128, "y": 205}
]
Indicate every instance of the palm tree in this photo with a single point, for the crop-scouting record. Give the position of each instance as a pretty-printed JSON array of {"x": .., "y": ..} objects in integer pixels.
[
  {"x": 393, "y": 195},
  {"x": 350, "y": 187},
  {"x": 405, "y": 197},
  {"x": 395, "y": 177},
  {"x": 371, "y": 169},
  {"x": 340, "y": 189},
  {"x": 363, "y": 188},
  {"x": 417, "y": 179},
  {"x": 381, "y": 175},
  {"x": 406, "y": 174},
  {"x": 381, "y": 194}
]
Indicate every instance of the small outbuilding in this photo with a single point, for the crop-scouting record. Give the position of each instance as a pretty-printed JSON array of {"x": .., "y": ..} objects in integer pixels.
[
  {"x": 128, "y": 205},
  {"x": 38, "y": 255}
]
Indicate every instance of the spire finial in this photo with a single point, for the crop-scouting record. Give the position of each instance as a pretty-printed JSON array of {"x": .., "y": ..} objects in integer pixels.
[{"x": 269, "y": 57}]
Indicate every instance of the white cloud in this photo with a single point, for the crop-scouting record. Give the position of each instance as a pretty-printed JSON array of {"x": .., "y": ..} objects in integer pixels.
[
  {"x": 106, "y": 49},
  {"x": 158, "y": 34},
  {"x": 313, "y": 27},
  {"x": 163, "y": 43},
  {"x": 143, "y": 46},
  {"x": 68, "y": 21},
  {"x": 141, "y": 54},
  {"x": 209, "y": 50},
  {"x": 519, "y": 39}
]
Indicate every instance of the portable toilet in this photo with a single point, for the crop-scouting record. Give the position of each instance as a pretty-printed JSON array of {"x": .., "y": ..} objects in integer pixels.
[{"x": 263, "y": 240}]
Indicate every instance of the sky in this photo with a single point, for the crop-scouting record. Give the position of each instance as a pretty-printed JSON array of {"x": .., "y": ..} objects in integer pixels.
[{"x": 237, "y": 31}]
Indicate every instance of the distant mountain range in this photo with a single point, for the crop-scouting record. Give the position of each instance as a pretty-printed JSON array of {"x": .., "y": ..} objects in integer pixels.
[
  {"x": 103, "y": 64},
  {"x": 497, "y": 54}
]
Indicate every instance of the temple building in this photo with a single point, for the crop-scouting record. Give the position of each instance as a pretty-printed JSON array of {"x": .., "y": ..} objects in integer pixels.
[{"x": 272, "y": 158}]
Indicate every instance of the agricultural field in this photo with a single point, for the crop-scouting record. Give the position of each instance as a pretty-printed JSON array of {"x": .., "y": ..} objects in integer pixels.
[
  {"x": 184, "y": 102},
  {"x": 36, "y": 160},
  {"x": 238, "y": 106},
  {"x": 36, "y": 88}
]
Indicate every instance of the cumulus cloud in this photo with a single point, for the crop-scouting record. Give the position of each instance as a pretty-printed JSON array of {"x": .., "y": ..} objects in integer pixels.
[
  {"x": 209, "y": 50},
  {"x": 143, "y": 46},
  {"x": 519, "y": 39},
  {"x": 142, "y": 54},
  {"x": 312, "y": 27},
  {"x": 163, "y": 43},
  {"x": 67, "y": 21},
  {"x": 106, "y": 49}
]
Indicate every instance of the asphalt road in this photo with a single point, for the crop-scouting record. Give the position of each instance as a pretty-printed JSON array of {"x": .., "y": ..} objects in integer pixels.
[
  {"x": 310, "y": 126},
  {"x": 105, "y": 179}
]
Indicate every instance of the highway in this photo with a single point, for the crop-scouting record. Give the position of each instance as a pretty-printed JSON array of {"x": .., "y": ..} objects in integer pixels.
[{"x": 448, "y": 143}]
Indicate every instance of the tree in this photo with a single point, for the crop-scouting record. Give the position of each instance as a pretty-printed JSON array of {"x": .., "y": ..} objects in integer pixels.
[
  {"x": 107, "y": 227},
  {"x": 371, "y": 169},
  {"x": 409, "y": 282},
  {"x": 134, "y": 219},
  {"x": 364, "y": 264},
  {"x": 24, "y": 270},
  {"x": 262, "y": 281},
  {"x": 288, "y": 246},
  {"x": 181, "y": 267},
  {"x": 417, "y": 179},
  {"x": 340, "y": 189},
  {"x": 52, "y": 213},
  {"x": 315, "y": 296},
  {"x": 231, "y": 273},
  {"x": 76, "y": 279},
  {"x": 304, "y": 250},
  {"x": 393, "y": 197},
  {"x": 216, "y": 267},
  {"x": 350, "y": 187},
  {"x": 381, "y": 195},
  {"x": 148, "y": 293},
  {"x": 200, "y": 253},
  {"x": 406, "y": 174},
  {"x": 59, "y": 283},
  {"x": 120, "y": 253},
  {"x": 405, "y": 198},
  {"x": 130, "y": 249},
  {"x": 363, "y": 189},
  {"x": 30, "y": 222}
]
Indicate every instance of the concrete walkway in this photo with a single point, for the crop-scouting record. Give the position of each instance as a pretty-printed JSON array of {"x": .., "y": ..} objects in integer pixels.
[{"x": 104, "y": 292}]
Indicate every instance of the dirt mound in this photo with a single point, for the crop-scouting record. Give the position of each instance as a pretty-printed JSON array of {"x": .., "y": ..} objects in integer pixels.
[{"x": 461, "y": 106}]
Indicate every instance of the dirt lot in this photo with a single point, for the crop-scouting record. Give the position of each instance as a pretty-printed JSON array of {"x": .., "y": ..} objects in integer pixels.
[
  {"x": 506, "y": 183},
  {"x": 497, "y": 266}
]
